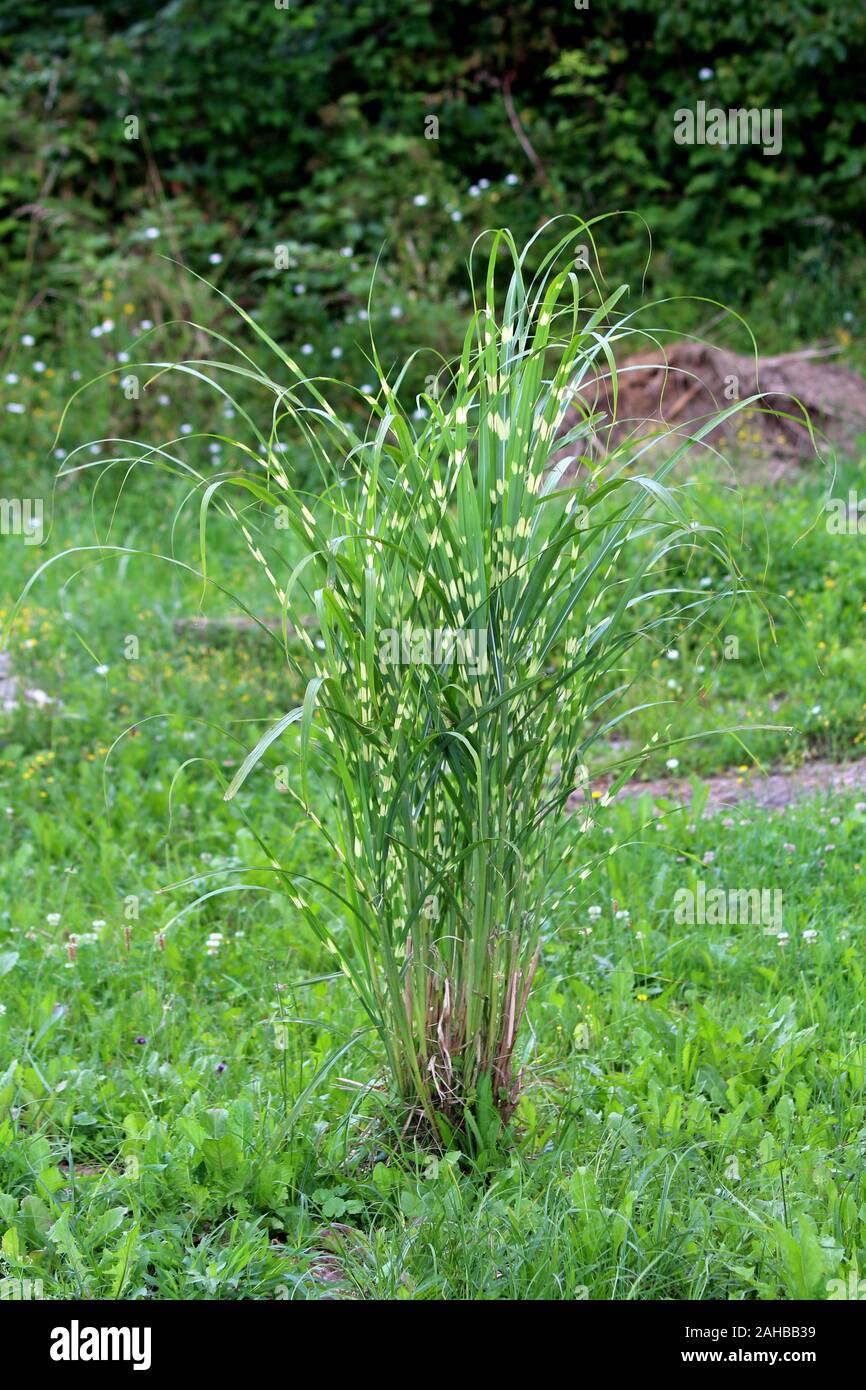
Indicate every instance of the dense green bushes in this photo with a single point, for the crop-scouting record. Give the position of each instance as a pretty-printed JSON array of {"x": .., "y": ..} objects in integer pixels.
[{"x": 307, "y": 128}]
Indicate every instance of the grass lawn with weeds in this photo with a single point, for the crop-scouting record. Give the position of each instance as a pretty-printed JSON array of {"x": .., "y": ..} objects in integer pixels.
[{"x": 191, "y": 1104}]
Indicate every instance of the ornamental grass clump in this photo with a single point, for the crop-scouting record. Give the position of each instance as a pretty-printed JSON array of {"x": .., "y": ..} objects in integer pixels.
[{"x": 477, "y": 585}]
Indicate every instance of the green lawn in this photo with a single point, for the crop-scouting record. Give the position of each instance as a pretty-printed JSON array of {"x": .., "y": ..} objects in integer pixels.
[{"x": 189, "y": 1103}]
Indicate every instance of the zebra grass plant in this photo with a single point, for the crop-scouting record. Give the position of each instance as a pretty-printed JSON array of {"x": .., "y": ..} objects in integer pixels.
[{"x": 485, "y": 584}]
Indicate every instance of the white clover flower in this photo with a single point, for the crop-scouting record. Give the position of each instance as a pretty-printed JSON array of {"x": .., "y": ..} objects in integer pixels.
[
  {"x": 709, "y": 856},
  {"x": 672, "y": 763},
  {"x": 15, "y": 409},
  {"x": 420, "y": 200},
  {"x": 53, "y": 919},
  {"x": 151, "y": 233},
  {"x": 594, "y": 913},
  {"x": 511, "y": 180},
  {"x": 215, "y": 258},
  {"x": 28, "y": 339},
  {"x": 11, "y": 378},
  {"x": 39, "y": 367},
  {"x": 306, "y": 349},
  {"x": 810, "y": 936},
  {"x": 102, "y": 670}
]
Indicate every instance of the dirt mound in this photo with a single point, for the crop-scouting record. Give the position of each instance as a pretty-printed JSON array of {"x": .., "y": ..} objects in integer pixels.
[{"x": 689, "y": 382}]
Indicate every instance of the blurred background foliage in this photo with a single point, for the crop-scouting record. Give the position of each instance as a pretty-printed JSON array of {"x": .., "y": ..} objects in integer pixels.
[{"x": 282, "y": 151}]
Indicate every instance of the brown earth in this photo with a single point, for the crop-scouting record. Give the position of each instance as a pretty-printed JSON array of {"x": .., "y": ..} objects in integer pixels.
[
  {"x": 689, "y": 382},
  {"x": 772, "y": 790}
]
